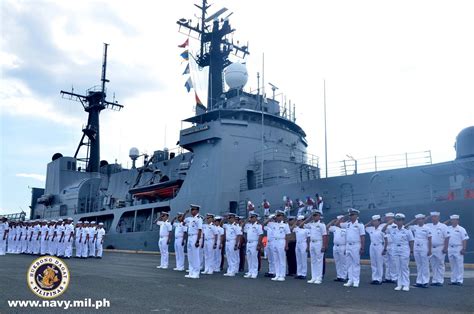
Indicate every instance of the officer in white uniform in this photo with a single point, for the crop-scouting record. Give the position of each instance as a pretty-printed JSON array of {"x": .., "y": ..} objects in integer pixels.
[
  {"x": 165, "y": 239},
  {"x": 232, "y": 235},
  {"x": 68, "y": 237},
  {"x": 11, "y": 236},
  {"x": 44, "y": 237},
  {"x": 301, "y": 250},
  {"x": 439, "y": 248},
  {"x": 219, "y": 245},
  {"x": 3, "y": 235},
  {"x": 269, "y": 247},
  {"x": 179, "y": 229},
  {"x": 78, "y": 238},
  {"x": 99, "y": 240},
  {"x": 339, "y": 247},
  {"x": 24, "y": 238},
  {"x": 456, "y": 250},
  {"x": 377, "y": 243},
  {"x": 92, "y": 231},
  {"x": 254, "y": 232},
  {"x": 280, "y": 230},
  {"x": 390, "y": 274},
  {"x": 317, "y": 247},
  {"x": 85, "y": 239},
  {"x": 402, "y": 246},
  {"x": 209, "y": 231},
  {"x": 52, "y": 247},
  {"x": 355, "y": 243},
  {"x": 194, "y": 231},
  {"x": 61, "y": 236},
  {"x": 36, "y": 237},
  {"x": 421, "y": 250}
]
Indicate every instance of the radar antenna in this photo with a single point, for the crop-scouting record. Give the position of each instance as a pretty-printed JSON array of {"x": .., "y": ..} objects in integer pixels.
[{"x": 93, "y": 102}]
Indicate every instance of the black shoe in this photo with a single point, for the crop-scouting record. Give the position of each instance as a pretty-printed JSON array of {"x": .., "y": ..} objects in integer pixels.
[
  {"x": 378, "y": 282},
  {"x": 417, "y": 285},
  {"x": 424, "y": 285},
  {"x": 437, "y": 284},
  {"x": 373, "y": 282},
  {"x": 387, "y": 281},
  {"x": 337, "y": 279}
]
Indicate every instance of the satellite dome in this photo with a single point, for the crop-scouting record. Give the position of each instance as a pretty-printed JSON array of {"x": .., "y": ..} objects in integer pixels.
[
  {"x": 465, "y": 143},
  {"x": 236, "y": 75},
  {"x": 133, "y": 153}
]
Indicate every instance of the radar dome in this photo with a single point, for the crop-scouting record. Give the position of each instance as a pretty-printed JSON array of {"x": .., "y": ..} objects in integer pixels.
[
  {"x": 465, "y": 143},
  {"x": 236, "y": 75},
  {"x": 133, "y": 153}
]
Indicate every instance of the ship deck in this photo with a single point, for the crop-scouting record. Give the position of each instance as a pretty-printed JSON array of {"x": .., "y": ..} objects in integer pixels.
[{"x": 133, "y": 284}]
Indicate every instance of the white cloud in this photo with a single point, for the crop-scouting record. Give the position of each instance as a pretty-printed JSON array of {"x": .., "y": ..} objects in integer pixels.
[{"x": 39, "y": 177}]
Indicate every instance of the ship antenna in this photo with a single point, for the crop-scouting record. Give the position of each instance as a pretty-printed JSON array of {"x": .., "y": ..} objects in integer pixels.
[{"x": 325, "y": 133}]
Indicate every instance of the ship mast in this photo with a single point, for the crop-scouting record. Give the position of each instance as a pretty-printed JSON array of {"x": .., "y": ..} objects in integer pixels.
[
  {"x": 94, "y": 102},
  {"x": 214, "y": 48}
]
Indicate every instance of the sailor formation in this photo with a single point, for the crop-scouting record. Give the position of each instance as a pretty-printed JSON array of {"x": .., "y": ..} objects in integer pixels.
[
  {"x": 392, "y": 242},
  {"x": 54, "y": 237}
]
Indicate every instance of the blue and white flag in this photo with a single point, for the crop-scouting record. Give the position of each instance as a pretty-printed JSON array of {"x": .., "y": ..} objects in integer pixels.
[
  {"x": 188, "y": 84},
  {"x": 186, "y": 71}
]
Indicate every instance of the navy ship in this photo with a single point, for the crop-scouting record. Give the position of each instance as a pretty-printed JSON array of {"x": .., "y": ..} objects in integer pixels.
[{"x": 241, "y": 147}]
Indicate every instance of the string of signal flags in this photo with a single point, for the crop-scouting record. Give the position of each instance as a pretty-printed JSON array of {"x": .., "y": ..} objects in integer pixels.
[{"x": 189, "y": 82}]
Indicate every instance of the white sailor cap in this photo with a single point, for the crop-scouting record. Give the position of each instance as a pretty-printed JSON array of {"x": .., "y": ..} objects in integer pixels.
[
  {"x": 317, "y": 212},
  {"x": 375, "y": 217},
  {"x": 101, "y": 223},
  {"x": 218, "y": 218},
  {"x": 69, "y": 218},
  {"x": 271, "y": 216},
  {"x": 338, "y": 217},
  {"x": 399, "y": 216},
  {"x": 300, "y": 217},
  {"x": 353, "y": 210},
  {"x": 454, "y": 217},
  {"x": 93, "y": 222},
  {"x": 59, "y": 220},
  {"x": 86, "y": 222},
  {"x": 390, "y": 214},
  {"x": 53, "y": 220},
  {"x": 279, "y": 213},
  {"x": 231, "y": 215},
  {"x": 210, "y": 215},
  {"x": 240, "y": 217},
  {"x": 193, "y": 206},
  {"x": 419, "y": 216},
  {"x": 291, "y": 217},
  {"x": 434, "y": 214},
  {"x": 254, "y": 215},
  {"x": 180, "y": 213},
  {"x": 162, "y": 214}
]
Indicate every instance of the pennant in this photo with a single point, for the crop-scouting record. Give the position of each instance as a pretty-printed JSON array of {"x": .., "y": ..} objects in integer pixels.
[
  {"x": 185, "y": 55},
  {"x": 198, "y": 101},
  {"x": 188, "y": 84},
  {"x": 185, "y": 44},
  {"x": 186, "y": 71}
]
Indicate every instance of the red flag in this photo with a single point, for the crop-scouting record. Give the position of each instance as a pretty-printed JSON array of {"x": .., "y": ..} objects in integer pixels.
[
  {"x": 185, "y": 44},
  {"x": 198, "y": 101}
]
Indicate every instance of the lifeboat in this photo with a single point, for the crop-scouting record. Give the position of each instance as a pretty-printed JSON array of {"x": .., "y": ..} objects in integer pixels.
[{"x": 161, "y": 190}]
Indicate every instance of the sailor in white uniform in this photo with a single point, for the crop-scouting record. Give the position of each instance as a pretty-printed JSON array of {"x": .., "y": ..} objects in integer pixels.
[
  {"x": 3, "y": 235},
  {"x": 99, "y": 240},
  {"x": 179, "y": 241},
  {"x": 78, "y": 238},
  {"x": 36, "y": 238},
  {"x": 53, "y": 231},
  {"x": 339, "y": 247},
  {"x": 24, "y": 238},
  {"x": 402, "y": 246},
  {"x": 92, "y": 231},
  {"x": 232, "y": 235},
  {"x": 11, "y": 237},
  {"x": 254, "y": 235},
  {"x": 439, "y": 248},
  {"x": 68, "y": 237},
  {"x": 302, "y": 248},
  {"x": 318, "y": 238},
  {"x": 421, "y": 249},
  {"x": 44, "y": 238},
  {"x": 355, "y": 243},
  {"x": 210, "y": 235},
  {"x": 165, "y": 239},
  {"x": 85, "y": 239},
  {"x": 219, "y": 244},
  {"x": 269, "y": 247},
  {"x": 60, "y": 238},
  {"x": 390, "y": 273},
  {"x": 456, "y": 250},
  {"x": 194, "y": 232},
  {"x": 280, "y": 230},
  {"x": 377, "y": 243}
]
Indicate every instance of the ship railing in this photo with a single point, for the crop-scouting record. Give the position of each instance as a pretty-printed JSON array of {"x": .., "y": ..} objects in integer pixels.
[
  {"x": 287, "y": 154},
  {"x": 16, "y": 216},
  {"x": 378, "y": 163}
]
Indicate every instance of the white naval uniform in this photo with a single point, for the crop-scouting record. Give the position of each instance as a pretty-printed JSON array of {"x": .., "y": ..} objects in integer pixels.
[
  {"x": 209, "y": 232},
  {"x": 78, "y": 241},
  {"x": 377, "y": 243},
  {"x": 165, "y": 229},
  {"x": 439, "y": 233},
  {"x": 85, "y": 242},
  {"x": 193, "y": 225},
  {"x": 420, "y": 252},
  {"x": 253, "y": 231},
  {"x": 99, "y": 243},
  {"x": 60, "y": 240},
  {"x": 3, "y": 238},
  {"x": 52, "y": 247},
  {"x": 400, "y": 238},
  {"x": 339, "y": 251},
  {"x": 233, "y": 258},
  {"x": 280, "y": 230},
  {"x": 456, "y": 260},
  {"x": 35, "y": 240},
  {"x": 179, "y": 229},
  {"x": 10, "y": 240},
  {"x": 301, "y": 253},
  {"x": 353, "y": 245},
  {"x": 44, "y": 240},
  {"x": 68, "y": 239},
  {"x": 24, "y": 239},
  {"x": 269, "y": 249},
  {"x": 92, "y": 231},
  {"x": 218, "y": 250},
  {"x": 317, "y": 230},
  {"x": 389, "y": 262}
]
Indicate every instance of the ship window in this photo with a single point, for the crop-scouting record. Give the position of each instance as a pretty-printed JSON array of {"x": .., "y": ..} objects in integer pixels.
[
  {"x": 69, "y": 165},
  {"x": 233, "y": 206},
  {"x": 251, "y": 181},
  {"x": 143, "y": 222},
  {"x": 105, "y": 219},
  {"x": 125, "y": 223}
]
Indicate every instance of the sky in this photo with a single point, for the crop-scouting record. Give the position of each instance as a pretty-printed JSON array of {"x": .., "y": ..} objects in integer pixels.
[{"x": 399, "y": 76}]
